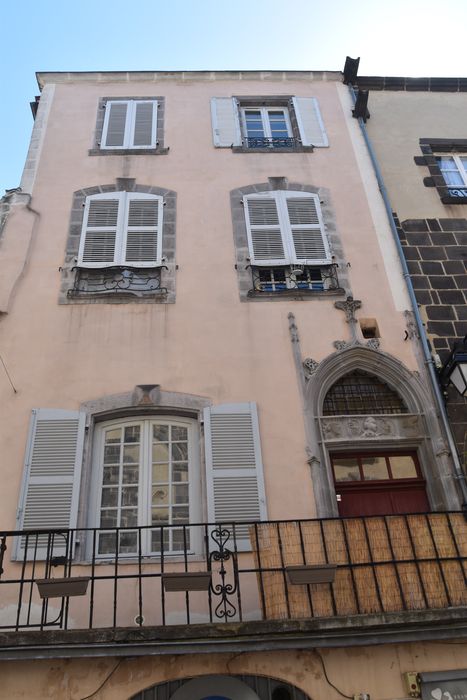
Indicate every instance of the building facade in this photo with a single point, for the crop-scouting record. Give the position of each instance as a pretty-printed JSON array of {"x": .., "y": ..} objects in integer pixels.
[{"x": 224, "y": 475}]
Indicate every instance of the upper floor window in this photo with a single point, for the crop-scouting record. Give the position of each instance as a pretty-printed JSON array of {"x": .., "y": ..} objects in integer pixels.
[
  {"x": 121, "y": 228},
  {"x": 359, "y": 393},
  {"x": 454, "y": 171},
  {"x": 130, "y": 124},
  {"x": 267, "y": 127},
  {"x": 267, "y": 123}
]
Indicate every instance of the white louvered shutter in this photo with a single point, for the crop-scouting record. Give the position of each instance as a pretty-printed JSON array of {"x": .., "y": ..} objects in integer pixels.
[
  {"x": 99, "y": 244},
  {"x": 265, "y": 233},
  {"x": 234, "y": 471},
  {"x": 225, "y": 122},
  {"x": 308, "y": 238},
  {"x": 142, "y": 230},
  {"x": 144, "y": 124},
  {"x": 310, "y": 123},
  {"x": 115, "y": 124},
  {"x": 50, "y": 490}
]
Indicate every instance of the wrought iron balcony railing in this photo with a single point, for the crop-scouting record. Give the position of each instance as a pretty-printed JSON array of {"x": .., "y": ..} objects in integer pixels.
[
  {"x": 274, "y": 142},
  {"x": 117, "y": 280},
  {"x": 293, "y": 570}
]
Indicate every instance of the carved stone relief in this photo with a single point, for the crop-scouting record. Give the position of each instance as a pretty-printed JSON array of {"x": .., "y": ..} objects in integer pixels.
[
  {"x": 340, "y": 428},
  {"x": 309, "y": 367}
]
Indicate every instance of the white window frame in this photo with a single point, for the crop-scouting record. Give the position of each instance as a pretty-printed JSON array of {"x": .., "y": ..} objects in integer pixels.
[
  {"x": 129, "y": 136},
  {"x": 145, "y": 482},
  {"x": 124, "y": 199},
  {"x": 460, "y": 167},
  {"x": 290, "y": 258},
  {"x": 264, "y": 110}
]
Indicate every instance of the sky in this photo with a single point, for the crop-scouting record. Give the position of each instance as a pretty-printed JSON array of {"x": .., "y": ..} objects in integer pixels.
[{"x": 396, "y": 37}]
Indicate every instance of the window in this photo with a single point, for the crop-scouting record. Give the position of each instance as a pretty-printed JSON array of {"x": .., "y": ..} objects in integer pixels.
[
  {"x": 359, "y": 393},
  {"x": 267, "y": 123},
  {"x": 454, "y": 171},
  {"x": 121, "y": 228},
  {"x": 145, "y": 484},
  {"x": 130, "y": 124},
  {"x": 148, "y": 475},
  {"x": 267, "y": 127}
]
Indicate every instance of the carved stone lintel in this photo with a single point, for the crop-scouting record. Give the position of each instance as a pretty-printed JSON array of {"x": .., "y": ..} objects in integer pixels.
[
  {"x": 345, "y": 428},
  {"x": 309, "y": 367},
  {"x": 411, "y": 327},
  {"x": 293, "y": 330},
  {"x": 349, "y": 307}
]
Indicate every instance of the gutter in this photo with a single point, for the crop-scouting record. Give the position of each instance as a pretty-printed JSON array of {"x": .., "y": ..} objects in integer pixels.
[{"x": 460, "y": 476}]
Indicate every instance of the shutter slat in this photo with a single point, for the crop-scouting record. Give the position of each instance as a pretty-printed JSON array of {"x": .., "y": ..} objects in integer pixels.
[
  {"x": 307, "y": 229},
  {"x": 144, "y": 115},
  {"x": 115, "y": 135},
  {"x": 49, "y": 497},
  {"x": 310, "y": 123},
  {"x": 234, "y": 467},
  {"x": 265, "y": 236},
  {"x": 143, "y": 227}
]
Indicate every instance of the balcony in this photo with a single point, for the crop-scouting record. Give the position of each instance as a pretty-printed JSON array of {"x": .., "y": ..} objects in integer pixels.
[{"x": 295, "y": 570}]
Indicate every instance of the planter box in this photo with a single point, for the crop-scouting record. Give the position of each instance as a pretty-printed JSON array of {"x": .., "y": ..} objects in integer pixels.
[
  {"x": 62, "y": 587},
  {"x": 187, "y": 581},
  {"x": 319, "y": 573}
]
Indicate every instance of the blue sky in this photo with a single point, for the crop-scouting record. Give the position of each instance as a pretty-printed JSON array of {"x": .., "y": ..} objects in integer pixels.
[{"x": 397, "y": 37}]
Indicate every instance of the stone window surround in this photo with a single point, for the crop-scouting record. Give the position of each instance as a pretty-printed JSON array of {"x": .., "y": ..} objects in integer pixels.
[
  {"x": 243, "y": 254},
  {"x": 271, "y": 101},
  {"x": 145, "y": 400},
  {"x": 96, "y": 150},
  {"x": 429, "y": 147},
  {"x": 68, "y": 270},
  {"x": 418, "y": 430}
]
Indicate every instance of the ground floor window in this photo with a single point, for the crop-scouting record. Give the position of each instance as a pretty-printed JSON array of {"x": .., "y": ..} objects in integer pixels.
[
  {"x": 146, "y": 478},
  {"x": 374, "y": 483}
]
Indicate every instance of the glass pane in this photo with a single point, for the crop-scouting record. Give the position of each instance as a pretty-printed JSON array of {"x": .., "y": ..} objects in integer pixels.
[
  {"x": 180, "y": 471},
  {"x": 112, "y": 454},
  {"x": 109, "y": 496},
  {"x": 109, "y": 518},
  {"x": 132, "y": 433},
  {"x": 180, "y": 451},
  {"x": 160, "y": 496},
  {"x": 160, "y": 516},
  {"x": 107, "y": 542},
  {"x": 160, "y": 473},
  {"x": 131, "y": 454},
  {"x": 464, "y": 163},
  {"x": 446, "y": 163},
  {"x": 346, "y": 469},
  {"x": 130, "y": 474},
  {"x": 130, "y": 496},
  {"x": 179, "y": 433},
  {"x": 156, "y": 540},
  {"x": 179, "y": 540},
  {"x": 129, "y": 517},
  {"x": 180, "y": 514},
  {"x": 180, "y": 493},
  {"x": 111, "y": 475},
  {"x": 128, "y": 542},
  {"x": 403, "y": 467},
  {"x": 113, "y": 435},
  {"x": 374, "y": 468},
  {"x": 160, "y": 432},
  {"x": 160, "y": 452},
  {"x": 452, "y": 178}
]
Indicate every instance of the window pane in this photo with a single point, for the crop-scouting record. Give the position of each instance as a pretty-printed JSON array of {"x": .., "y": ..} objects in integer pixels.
[
  {"x": 131, "y": 454},
  {"x": 109, "y": 496},
  {"x": 179, "y": 433},
  {"x": 160, "y": 432},
  {"x": 107, "y": 542},
  {"x": 156, "y": 540},
  {"x": 180, "y": 471},
  {"x": 346, "y": 469},
  {"x": 160, "y": 473},
  {"x": 112, "y": 454},
  {"x": 374, "y": 468},
  {"x": 403, "y": 467},
  {"x": 160, "y": 452},
  {"x": 129, "y": 517},
  {"x": 109, "y": 518},
  {"x": 130, "y": 496},
  {"x": 132, "y": 433},
  {"x": 130, "y": 474},
  {"x": 180, "y": 451},
  {"x": 160, "y": 496},
  {"x": 180, "y": 514},
  {"x": 160, "y": 516},
  {"x": 180, "y": 493},
  {"x": 113, "y": 435},
  {"x": 111, "y": 475},
  {"x": 128, "y": 542},
  {"x": 180, "y": 540}
]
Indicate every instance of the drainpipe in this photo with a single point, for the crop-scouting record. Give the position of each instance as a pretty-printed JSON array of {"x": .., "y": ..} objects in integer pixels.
[{"x": 460, "y": 476}]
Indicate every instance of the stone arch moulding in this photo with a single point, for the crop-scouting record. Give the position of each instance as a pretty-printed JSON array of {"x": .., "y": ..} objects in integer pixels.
[
  {"x": 419, "y": 429},
  {"x": 241, "y": 687}
]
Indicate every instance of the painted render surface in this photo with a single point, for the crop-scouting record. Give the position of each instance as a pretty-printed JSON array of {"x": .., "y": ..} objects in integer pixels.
[{"x": 206, "y": 343}]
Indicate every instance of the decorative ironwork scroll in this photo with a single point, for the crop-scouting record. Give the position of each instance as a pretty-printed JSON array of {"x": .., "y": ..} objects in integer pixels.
[
  {"x": 225, "y": 609},
  {"x": 117, "y": 280}
]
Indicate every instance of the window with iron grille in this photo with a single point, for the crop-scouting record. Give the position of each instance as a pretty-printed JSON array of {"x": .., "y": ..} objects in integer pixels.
[{"x": 359, "y": 393}]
